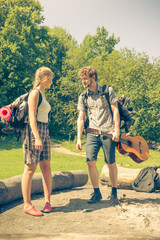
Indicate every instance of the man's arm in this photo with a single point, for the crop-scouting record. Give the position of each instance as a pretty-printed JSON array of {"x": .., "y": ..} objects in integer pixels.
[
  {"x": 80, "y": 127},
  {"x": 116, "y": 119}
]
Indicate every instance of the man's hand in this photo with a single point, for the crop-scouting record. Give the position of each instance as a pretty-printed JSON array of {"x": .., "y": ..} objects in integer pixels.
[
  {"x": 115, "y": 136},
  {"x": 79, "y": 145}
]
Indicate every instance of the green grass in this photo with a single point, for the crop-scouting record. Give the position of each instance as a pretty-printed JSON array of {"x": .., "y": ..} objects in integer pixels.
[
  {"x": 121, "y": 160},
  {"x": 12, "y": 164}
]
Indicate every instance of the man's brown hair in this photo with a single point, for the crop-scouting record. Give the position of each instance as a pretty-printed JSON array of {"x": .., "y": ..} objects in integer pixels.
[{"x": 88, "y": 71}]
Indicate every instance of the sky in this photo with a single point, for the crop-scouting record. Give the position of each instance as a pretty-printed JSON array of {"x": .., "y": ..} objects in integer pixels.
[{"x": 136, "y": 22}]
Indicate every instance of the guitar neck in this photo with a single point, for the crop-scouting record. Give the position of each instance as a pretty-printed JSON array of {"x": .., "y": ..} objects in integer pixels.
[
  {"x": 121, "y": 140},
  {"x": 129, "y": 143}
]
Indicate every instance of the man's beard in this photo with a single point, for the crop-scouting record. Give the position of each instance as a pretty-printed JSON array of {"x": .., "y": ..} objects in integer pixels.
[{"x": 90, "y": 84}]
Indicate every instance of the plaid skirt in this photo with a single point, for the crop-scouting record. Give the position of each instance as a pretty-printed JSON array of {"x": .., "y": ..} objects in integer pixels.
[{"x": 32, "y": 155}]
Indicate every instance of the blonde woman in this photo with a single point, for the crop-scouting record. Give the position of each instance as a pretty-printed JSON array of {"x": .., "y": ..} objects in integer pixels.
[{"x": 36, "y": 142}]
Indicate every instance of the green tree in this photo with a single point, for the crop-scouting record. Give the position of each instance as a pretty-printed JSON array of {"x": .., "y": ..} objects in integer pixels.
[
  {"x": 75, "y": 57},
  {"x": 135, "y": 76},
  {"x": 63, "y": 98},
  {"x": 100, "y": 45},
  {"x": 24, "y": 46}
]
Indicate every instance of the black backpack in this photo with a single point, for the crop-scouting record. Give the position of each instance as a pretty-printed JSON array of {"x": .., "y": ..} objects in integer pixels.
[
  {"x": 125, "y": 111},
  {"x": 19, "y": 117},
  {"x": 146, "y": 180}
]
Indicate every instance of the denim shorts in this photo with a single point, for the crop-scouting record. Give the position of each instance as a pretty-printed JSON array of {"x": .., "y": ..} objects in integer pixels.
[
  {"x": 32, "y": 155},
  {"x": 93, "y": 145}
]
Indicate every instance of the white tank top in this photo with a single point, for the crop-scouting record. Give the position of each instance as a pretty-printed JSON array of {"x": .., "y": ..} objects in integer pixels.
[{"x": 43, "y": 111}]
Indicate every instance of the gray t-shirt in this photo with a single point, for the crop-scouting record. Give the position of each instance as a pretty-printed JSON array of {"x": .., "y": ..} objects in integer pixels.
[{"x": 99, "y": 114}]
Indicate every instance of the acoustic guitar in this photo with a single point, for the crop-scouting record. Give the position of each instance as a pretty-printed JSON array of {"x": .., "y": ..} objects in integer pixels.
[{"x": 135, "y": 147}]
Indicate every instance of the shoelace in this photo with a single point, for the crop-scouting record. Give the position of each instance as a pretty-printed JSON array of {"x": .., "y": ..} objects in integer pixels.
[{"x": 94, "y": 195}]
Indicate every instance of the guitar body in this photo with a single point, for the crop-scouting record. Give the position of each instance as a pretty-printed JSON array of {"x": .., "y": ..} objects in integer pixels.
[{"x": 135, "y": 147}]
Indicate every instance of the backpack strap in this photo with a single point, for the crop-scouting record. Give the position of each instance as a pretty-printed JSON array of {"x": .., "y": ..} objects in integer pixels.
[
  {"x": 85, "y": 97},
  {"x": 40, "y": 99},
  {"x": 156, "y": 167},
  {"x": 40, "y": 96},
  {"x": 106, "y": 92}
]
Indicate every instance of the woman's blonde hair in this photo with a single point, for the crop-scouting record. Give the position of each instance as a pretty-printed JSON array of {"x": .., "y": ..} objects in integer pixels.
[{"x": 41, "y": 73}]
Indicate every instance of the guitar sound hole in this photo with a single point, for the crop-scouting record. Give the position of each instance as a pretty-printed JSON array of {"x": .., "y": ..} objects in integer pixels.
[
  {"x": 140, "y": 147},
  {"x": 129, "y": 143}
]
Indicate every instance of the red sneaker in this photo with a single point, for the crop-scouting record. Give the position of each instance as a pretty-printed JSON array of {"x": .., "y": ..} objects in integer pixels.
[
  {"x": 33, "y": 211},
  {"x": 47, "y": 208}
]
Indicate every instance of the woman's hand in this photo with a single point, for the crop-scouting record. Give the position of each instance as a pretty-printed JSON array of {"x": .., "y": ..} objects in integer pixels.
[{"x": 38, "y": 144}]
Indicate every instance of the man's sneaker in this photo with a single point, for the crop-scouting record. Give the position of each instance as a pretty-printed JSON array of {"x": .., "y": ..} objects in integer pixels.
[{"x": 96, "y": 197}]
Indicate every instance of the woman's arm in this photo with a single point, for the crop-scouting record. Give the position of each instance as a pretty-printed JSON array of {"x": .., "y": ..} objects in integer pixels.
[{"x": 32, "y": 109}]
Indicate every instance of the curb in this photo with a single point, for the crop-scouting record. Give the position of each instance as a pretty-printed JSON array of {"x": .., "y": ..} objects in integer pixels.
[{"x": 74, "y": 236}]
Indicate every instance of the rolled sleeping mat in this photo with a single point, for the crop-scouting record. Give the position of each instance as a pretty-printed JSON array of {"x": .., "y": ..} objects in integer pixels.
[{"x": 5, "y": 113}]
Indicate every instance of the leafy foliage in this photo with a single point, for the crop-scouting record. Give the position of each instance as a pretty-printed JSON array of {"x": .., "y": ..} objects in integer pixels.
[
  {"x": 27, "y": 45},
  {"x": 24, "y": 46}
]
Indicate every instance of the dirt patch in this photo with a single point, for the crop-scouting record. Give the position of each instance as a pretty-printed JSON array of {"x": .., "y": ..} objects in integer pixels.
[{"x": 137, "y": 215}]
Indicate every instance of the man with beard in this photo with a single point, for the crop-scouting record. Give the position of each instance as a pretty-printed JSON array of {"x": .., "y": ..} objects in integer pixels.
[{"x": 102, "y": 119}]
